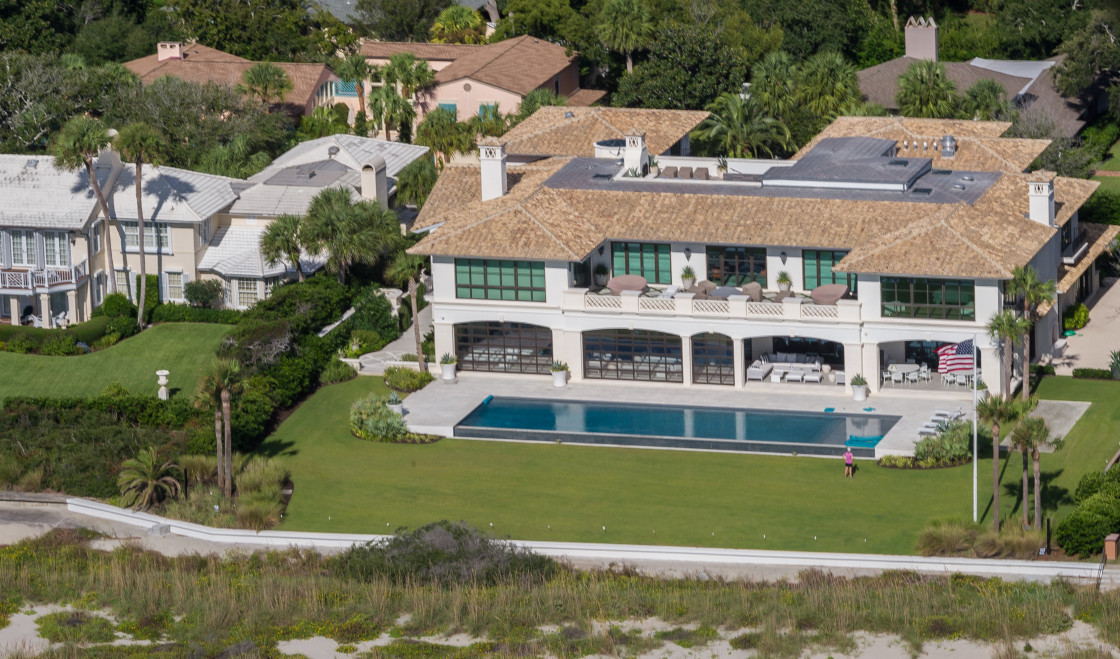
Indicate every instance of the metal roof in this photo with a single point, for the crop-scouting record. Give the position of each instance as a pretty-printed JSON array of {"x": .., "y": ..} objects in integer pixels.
[
  {"x": 236, "y": 252},
  {"x": 170, "y": 194},
  {"x": 36, "y": 194}
]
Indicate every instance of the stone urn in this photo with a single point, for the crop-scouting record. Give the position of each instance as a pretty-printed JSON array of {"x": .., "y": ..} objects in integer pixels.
[{"x": 162, "y": 375}]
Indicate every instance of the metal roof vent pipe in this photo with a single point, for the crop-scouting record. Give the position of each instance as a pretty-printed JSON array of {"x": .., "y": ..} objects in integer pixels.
[
  {"x": 332, "y": 152},
  {"x": 948, "y": 146}
]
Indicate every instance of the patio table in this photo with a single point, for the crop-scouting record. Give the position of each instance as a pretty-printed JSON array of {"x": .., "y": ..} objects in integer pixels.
[
  {"x": 904, "y": 368},
  {"x": 777, "y": 374},
  {"x": 795, "y": 376}
]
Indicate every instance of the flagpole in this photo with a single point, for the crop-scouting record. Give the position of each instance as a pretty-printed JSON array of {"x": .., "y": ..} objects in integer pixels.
[{"x": 975, "y": 430}]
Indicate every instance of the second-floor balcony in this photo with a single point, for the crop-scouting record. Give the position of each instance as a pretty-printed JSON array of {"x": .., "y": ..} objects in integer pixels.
[
  {"x": 42, "y": 280},
  {"x": 666, "y": 303},
  {"x": 1077, "y": 247}
]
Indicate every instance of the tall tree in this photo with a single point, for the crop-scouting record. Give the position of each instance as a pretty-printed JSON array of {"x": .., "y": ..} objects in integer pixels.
[
  {"x": 739, "y": 128},
  {"x": 925, "y": 90},
  {"x": 388, "y": 109},
  {"x": 774, "y": 85},
  {"x": 393, "y": 20},
  {"x": 997, "y": 411},
  {"x": 1033, "y": 434},
  {"x": 349, "y": 232},
  {"x": 140, "y": 143},
  {"x": 219, "y": 382},
  {"x": 1008, "y": 329},
  {"x": 625, "y": 26},
  {"x": 416, "y": 180},
  {"x": 444, "y": 135},
  {"x": 356, "y": 68},
  {"x": 1035, "y": 292},
  {"x": 408, "y": 269},
  {"x": 985, "y": 100},
  {"x": 267, "y": 82},
  {"x": 281, "y": 240},
  {"x": 827, "y": 84},
  {"x": 409, "y": 74},
  {"x": 458, "y": 24},
  {"x": 77, "y": 144}
]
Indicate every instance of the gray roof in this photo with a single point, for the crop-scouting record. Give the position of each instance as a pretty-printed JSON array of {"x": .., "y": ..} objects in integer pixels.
[
  {"x": 34, "y": 193},
  {"x": 236, "y": 252},
  {"x": 170, "y": 195},
  {"x": 294, "y": 178}
]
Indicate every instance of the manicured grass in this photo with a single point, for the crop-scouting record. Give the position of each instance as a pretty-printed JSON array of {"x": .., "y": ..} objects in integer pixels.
[
  {"x": 182, "y": 348},
  {"x": 1108, "y": 183},
  {"x": 1112, "y": 160}
]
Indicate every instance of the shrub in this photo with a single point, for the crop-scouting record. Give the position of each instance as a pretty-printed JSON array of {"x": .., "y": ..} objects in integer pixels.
[
  {"x": 261, "y": 475},
  {"x": 371, "y": 418},
  {"x": 1092, "y": 373},
  {"x": 151, "y": 297},
  {"x": 402, "y": 378},
  {"x": 203, "y": 293},
  {"x": 182, "y": 313},
  {"x": 364, "y": 341},
  {"x": 1075, "y": 317},
  {"x": 337, "y": 371},
  {"x": 106, "y": 341},
  {"x": 60, "y": 344},
  {"x": 372, "y": 311},
  {"x": 114, "y": 305},
  {"x": 1102, "y": 208},
  {"x": 20, "y": 344},
  {"x": 952, "y": 446},
  {"x": 123, "y": 326},
  {"x": 258, "y": 513},
  {"x": 258, "y": 342},
  {"x": 10, "y": 470},
  {"x": 955, "y": 537},
  {"x": 1082, "y": 533},
  {"x": 252, "y": 413},
  {"x": 409, "y": 357},
  {"x": 444, "y": 553},
  {"x": 1038, "y": 370},
  {"x": 307, "y": 306}
]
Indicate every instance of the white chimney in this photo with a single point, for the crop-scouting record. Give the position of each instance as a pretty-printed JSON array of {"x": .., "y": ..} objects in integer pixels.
[
  {"x": 166, "y": 50},
  {"x": 492, "y": 157},
  {"x": 635, "y": 156},
  {"x": 1042, "y": 197},
  {"x": 375, "y": 185},
  {"x": 921, "y": 38}
]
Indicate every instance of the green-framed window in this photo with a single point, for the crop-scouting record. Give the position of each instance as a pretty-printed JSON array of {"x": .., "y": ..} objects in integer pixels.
[
  {"x": 939, "y": 299},
  {"x": 735, "y": 266},
  {"x": 650, "y": 260},
  {"x": 493, "y": 279},
  {"x": 817, "y": 265}
]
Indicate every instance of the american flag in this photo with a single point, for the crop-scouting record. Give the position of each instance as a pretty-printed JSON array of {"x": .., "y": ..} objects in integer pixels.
[{"x": 955, "y": 357}]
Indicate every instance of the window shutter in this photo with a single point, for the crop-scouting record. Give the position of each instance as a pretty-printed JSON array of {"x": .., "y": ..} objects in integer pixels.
[
  {"x": 186, "y": 278},
  {"x": 40, "y": 252},
  {"x": 5, "y": 250},
  {"x": 164, "y": 294}
]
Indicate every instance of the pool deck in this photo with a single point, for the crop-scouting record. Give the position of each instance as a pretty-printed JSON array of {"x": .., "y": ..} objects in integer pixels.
[{"x": 437, "y": 408}]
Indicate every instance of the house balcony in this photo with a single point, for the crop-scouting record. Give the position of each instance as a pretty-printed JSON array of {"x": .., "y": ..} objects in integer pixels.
[
  {"x": 42, "y": 281},
  {"x": 793, "y": 308},
  {"x": 1077, "y": 247}
]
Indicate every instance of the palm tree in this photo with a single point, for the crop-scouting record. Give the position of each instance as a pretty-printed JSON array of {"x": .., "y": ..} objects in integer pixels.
[
  {"x": 489, "y": 122},
  {"x": 349, "y": 232},
  {"x": 408, "y": 269},
  {"x": 1008, "y": 329},
  {"x": 534, "y": 101},
  {"x": 441, "y": 132},
  {"x": 1035, "y": 292},
  {"x": 773, "y": 82},
  {"x": 925, "y": 90},
  {"x": 826, "y": 84},
  {"x": 625, "y": 26},
  {"x": 266, "y": 81},
  {"x": 138, "y": 142},
  {"x": 209, "y": 396},
  {"x": 144, "y": 482},
  {"x": 458, "y": 24},
  {"x": 78, "y": 143},
  {"x": 356, "y": 69},
  {"x": 740, "y": 128},
  {"x": 281, "y": 240},
  {"x": 1021, "y": 441},
  {"x": 387, "y": 108},
  {"x": 1033, "y": 434},
  {"x": 410, "y": 74},
  {"x": 985, "y": 100},
  {"x": 220, "y": 380},
  {"x": 997, "y": 411},
  {"x": 416, "y": 180}
]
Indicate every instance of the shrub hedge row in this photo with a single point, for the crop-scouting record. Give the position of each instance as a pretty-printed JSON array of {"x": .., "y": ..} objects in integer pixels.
[
  {"x": 184, "y": 313},
  {"x": 1097, "y": 514},
  {"x": 1093, "y": 373}
]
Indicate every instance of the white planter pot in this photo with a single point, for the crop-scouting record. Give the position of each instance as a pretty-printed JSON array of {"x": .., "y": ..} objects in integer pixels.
[
  {"x": 399, "y": 409},
  {"x": 559, "y": 378},
  {"x": 686, "y": 284},
  {"x": 448, "y": 371},
  {"x": 859, "y": 392},
  {"x": 784, "y": 287}
]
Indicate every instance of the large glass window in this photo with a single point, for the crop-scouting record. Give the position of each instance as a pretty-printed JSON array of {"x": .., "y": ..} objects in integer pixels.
[
  {"x": 632, "y": 355},
  {"x": 246, "y": 292},
  {"x": 153, "y": 232},
  {"x": 829, "y": 352},
  {"x": 23, "y": 247},
  {"x": 713, "y": 359},
  {"x": 650, "y": 260},
  {"x": 174, "y": 286},
  {"x": 57, "y": 249},
  {"x": 124, "y": 283},
  {"x": 503, "y": 347},
  {"x": 491, "y": 279},
  {"x": 735, "y": 266},
  {"x": 818, "y": 269},
  {"x": 939, "y": 299}
]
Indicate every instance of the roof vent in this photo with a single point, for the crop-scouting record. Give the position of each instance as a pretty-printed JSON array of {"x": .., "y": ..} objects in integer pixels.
[
  {"x": 332, "y": 152},
  {"x": 958, "y": 186},
  {"x": 569, "y": 115},
  {"x": 948, "y": 146},
  {"x": 305, "y": 172},
  {"x": 31, "y": 164},
  {"x": 941, "y": 172},
  {"x": 968, "y": 178},
  {"x": 897, "y": 163}
]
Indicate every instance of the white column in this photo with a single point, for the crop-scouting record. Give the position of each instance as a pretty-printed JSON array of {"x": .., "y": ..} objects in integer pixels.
[
  {"x": 686, "y": 360},
  {"x": 740, "y": 363},
  {"x": 444, "y": 339},
  {"x": 573, "y": 353},
  {"x": 72, "y": 306},
  {"x": 991, "y": 370},
  {"x": 45, "y": 309},
  {"x": 871, "y": 366},
  {"x": 13, "y": 301},
  {"x": 853, "y": 363}
]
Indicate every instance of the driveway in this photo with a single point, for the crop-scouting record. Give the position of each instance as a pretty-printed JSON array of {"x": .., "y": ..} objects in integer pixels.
[{"x": 1090, "y": 347}]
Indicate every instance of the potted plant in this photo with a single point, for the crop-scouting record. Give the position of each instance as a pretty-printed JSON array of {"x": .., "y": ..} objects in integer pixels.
[
  {"x": 447, "y": 365},
  {"x": 601, "y": 274},
  {"x": 394, "y": 403},
  {"x": 859, "y": 387},
  {"x": 654, "y": 166},
  {"x": 785, "y": 282},
  {"x": 559, "y": 374},
  {"x": 1115, "y": 364},
  {"x": 981, "y": 389},
  {"x": 721, "y": 165},
  {"x": 688, "y": 277}
]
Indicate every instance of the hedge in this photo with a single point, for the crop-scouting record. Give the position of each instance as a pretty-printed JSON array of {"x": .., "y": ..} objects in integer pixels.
[
  {"x": 86, "y": 332},
  {"x": 184, "y": 313},
  {"x": 137, "y": 410},
  {"x": 1075, "y": 317},
  {"x": 1092, "y": 373}
]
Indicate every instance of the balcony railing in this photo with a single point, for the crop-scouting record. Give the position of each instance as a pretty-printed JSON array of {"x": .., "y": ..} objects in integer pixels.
[
  {"x": 31, "y": 280},
  {"x": 685, "y": 304},
  {"x": 1073, "y": 252}
]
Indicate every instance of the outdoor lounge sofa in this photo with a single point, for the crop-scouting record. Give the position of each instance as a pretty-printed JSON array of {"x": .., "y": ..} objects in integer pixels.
[
  {"x": 788, "y": 361},
  {"x": 828, "y": 294},
  {"x": 759, "y": 370},
  {"x": 753, "y": 290}
]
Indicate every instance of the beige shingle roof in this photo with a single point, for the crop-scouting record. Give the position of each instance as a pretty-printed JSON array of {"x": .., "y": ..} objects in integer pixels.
[
  {"x": 426, "y": 51},
  {"x": 1099, "y": 237},
  {"x": 548, "y": 132},
  {"x": 520, "y": 64}
]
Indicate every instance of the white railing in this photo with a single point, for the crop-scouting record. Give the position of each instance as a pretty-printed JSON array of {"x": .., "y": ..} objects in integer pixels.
[
  {"x": 28, "y": 280},
  {"x": 602, "y": 302},
  {"x": 711, "y": 307},
  {"x": 819, "y": 311},
  {"x": 656, "y": 304},
  {"x": 735, "y": 306},
  {"x": 765, "y": 309}
]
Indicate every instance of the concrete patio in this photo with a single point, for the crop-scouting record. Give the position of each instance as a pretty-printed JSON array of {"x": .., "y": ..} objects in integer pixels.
[{"x": 1090, "y": 347}]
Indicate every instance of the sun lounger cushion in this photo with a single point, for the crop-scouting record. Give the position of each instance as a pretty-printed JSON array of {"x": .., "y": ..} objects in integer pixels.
[
  {"x": 684, "y": 172},
  {"x": 668, "y": 172},
  {"x": 753, "y": 290},
  {"x": 700, "y": 173}
]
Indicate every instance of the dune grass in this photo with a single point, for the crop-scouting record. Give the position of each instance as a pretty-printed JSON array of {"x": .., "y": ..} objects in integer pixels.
[{"x": 182, "y": 348}]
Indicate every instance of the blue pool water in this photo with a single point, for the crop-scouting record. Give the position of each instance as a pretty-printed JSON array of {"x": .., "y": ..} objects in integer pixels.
[{"x": 675, "y": 426}]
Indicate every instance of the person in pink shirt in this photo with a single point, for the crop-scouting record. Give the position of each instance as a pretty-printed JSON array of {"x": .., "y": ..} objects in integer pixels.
[{"x": 848, "y": 463}]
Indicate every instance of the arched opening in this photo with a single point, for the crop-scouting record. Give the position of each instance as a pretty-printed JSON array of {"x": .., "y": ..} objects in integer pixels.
[
  {"x": 503, "y": 347},
  {"x": 713, "y": 359},
  {"x": 617, "y": 354}
]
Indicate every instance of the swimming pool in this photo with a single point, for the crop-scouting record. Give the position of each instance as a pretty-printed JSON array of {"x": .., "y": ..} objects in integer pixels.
[{"x": 670, "y": 426}]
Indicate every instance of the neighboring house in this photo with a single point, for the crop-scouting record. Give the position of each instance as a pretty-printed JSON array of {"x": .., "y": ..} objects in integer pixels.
[
  {"x": 343, "y": 10},
  {"x": 1028, "y": 84},
  {"x": 313, "y": 85},
  {"x": 915, "y": 225},
  {"x": 473, "y": 79},
  {"x": 196, "y": 226}
]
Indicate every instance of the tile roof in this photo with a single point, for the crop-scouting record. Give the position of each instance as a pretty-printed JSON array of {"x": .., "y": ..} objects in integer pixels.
[
  {"x": 979, "y": 145},
  {"x": 519, "y": 65},
  {"x": 170, "y": 194},
  {"x": 426, "y": 51},
  {"x": 202, "y": 64},
  {"x": 586, "y": 97},
  {"x": 41, "y": 195},
  {"x": 235, "y": 252},
  {"x": 549, "y": 132},
  {"x": 1099, "y": 237}
]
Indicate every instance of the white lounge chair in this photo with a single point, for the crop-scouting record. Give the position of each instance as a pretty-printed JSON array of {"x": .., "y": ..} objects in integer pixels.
[
  {"x": 927, "y": 432},
  {"x": 813, "y": 376},
  {"x": 669, "y": 292},
  {"x": 759, "y": 371}
]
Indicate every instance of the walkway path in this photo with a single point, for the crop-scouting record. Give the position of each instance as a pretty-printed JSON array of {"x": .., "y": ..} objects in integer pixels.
[
  {"x": 1090, "y": 347},
  {"x": 374, "y": 363}
]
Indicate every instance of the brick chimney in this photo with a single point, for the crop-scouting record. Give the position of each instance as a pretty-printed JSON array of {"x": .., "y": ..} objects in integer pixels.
[
  {"x": 492, "y": 158},
  {"x": 1041, "y": 184},
  {"x": 166, "y": 50},
  {"x": 921, "y": 38}
]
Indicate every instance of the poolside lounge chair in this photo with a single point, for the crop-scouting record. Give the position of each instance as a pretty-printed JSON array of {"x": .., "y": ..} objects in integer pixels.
[
  {"x": 759, "y": 370},
  {"x": 684, "y": 172},
  {"x": 668, "y": 172},
  {"x": 927, "y": 432},
  {"x": 700, "y": 173},
  {"x": 949, "y": 414},
  {"x": 669, "y": 292},
  {"x": 753, "y": 290}
]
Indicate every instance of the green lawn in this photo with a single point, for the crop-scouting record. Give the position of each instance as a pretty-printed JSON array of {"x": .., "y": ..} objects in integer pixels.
[
  {"x": 344, "y": 484},
  {"x": 182, "y": 348},
  {"x": 1108, "y": 184},
  {"x": 1112, "y": 160}
]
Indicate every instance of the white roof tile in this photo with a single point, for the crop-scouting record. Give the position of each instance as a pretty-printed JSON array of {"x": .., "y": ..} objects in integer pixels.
[
  {"x": 34, "y": 193},
  {"x": 170, "y": 194},
  {"x": 236, "y": 252}
]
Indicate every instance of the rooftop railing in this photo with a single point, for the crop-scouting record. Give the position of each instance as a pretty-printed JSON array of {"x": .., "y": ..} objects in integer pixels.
[{"x": 686, "y": 304}]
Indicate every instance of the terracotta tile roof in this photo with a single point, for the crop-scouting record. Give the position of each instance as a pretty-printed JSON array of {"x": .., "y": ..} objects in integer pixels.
[
  {"x": 586, "y": 97},
  {"x": 426, "y": 51},
  {"x": 202, "y": 64},
  {"x": 519, "y": 65},
  {"x": 979, "y": 147},
  {"x": 1099, "y": 237},
  {"x": 549, "y": 133}
]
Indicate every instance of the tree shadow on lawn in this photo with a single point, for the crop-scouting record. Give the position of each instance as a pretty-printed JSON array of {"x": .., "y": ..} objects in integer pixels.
[
  {"x": 271, "y": 448},
  {"x": 1053, "y": 496}
]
